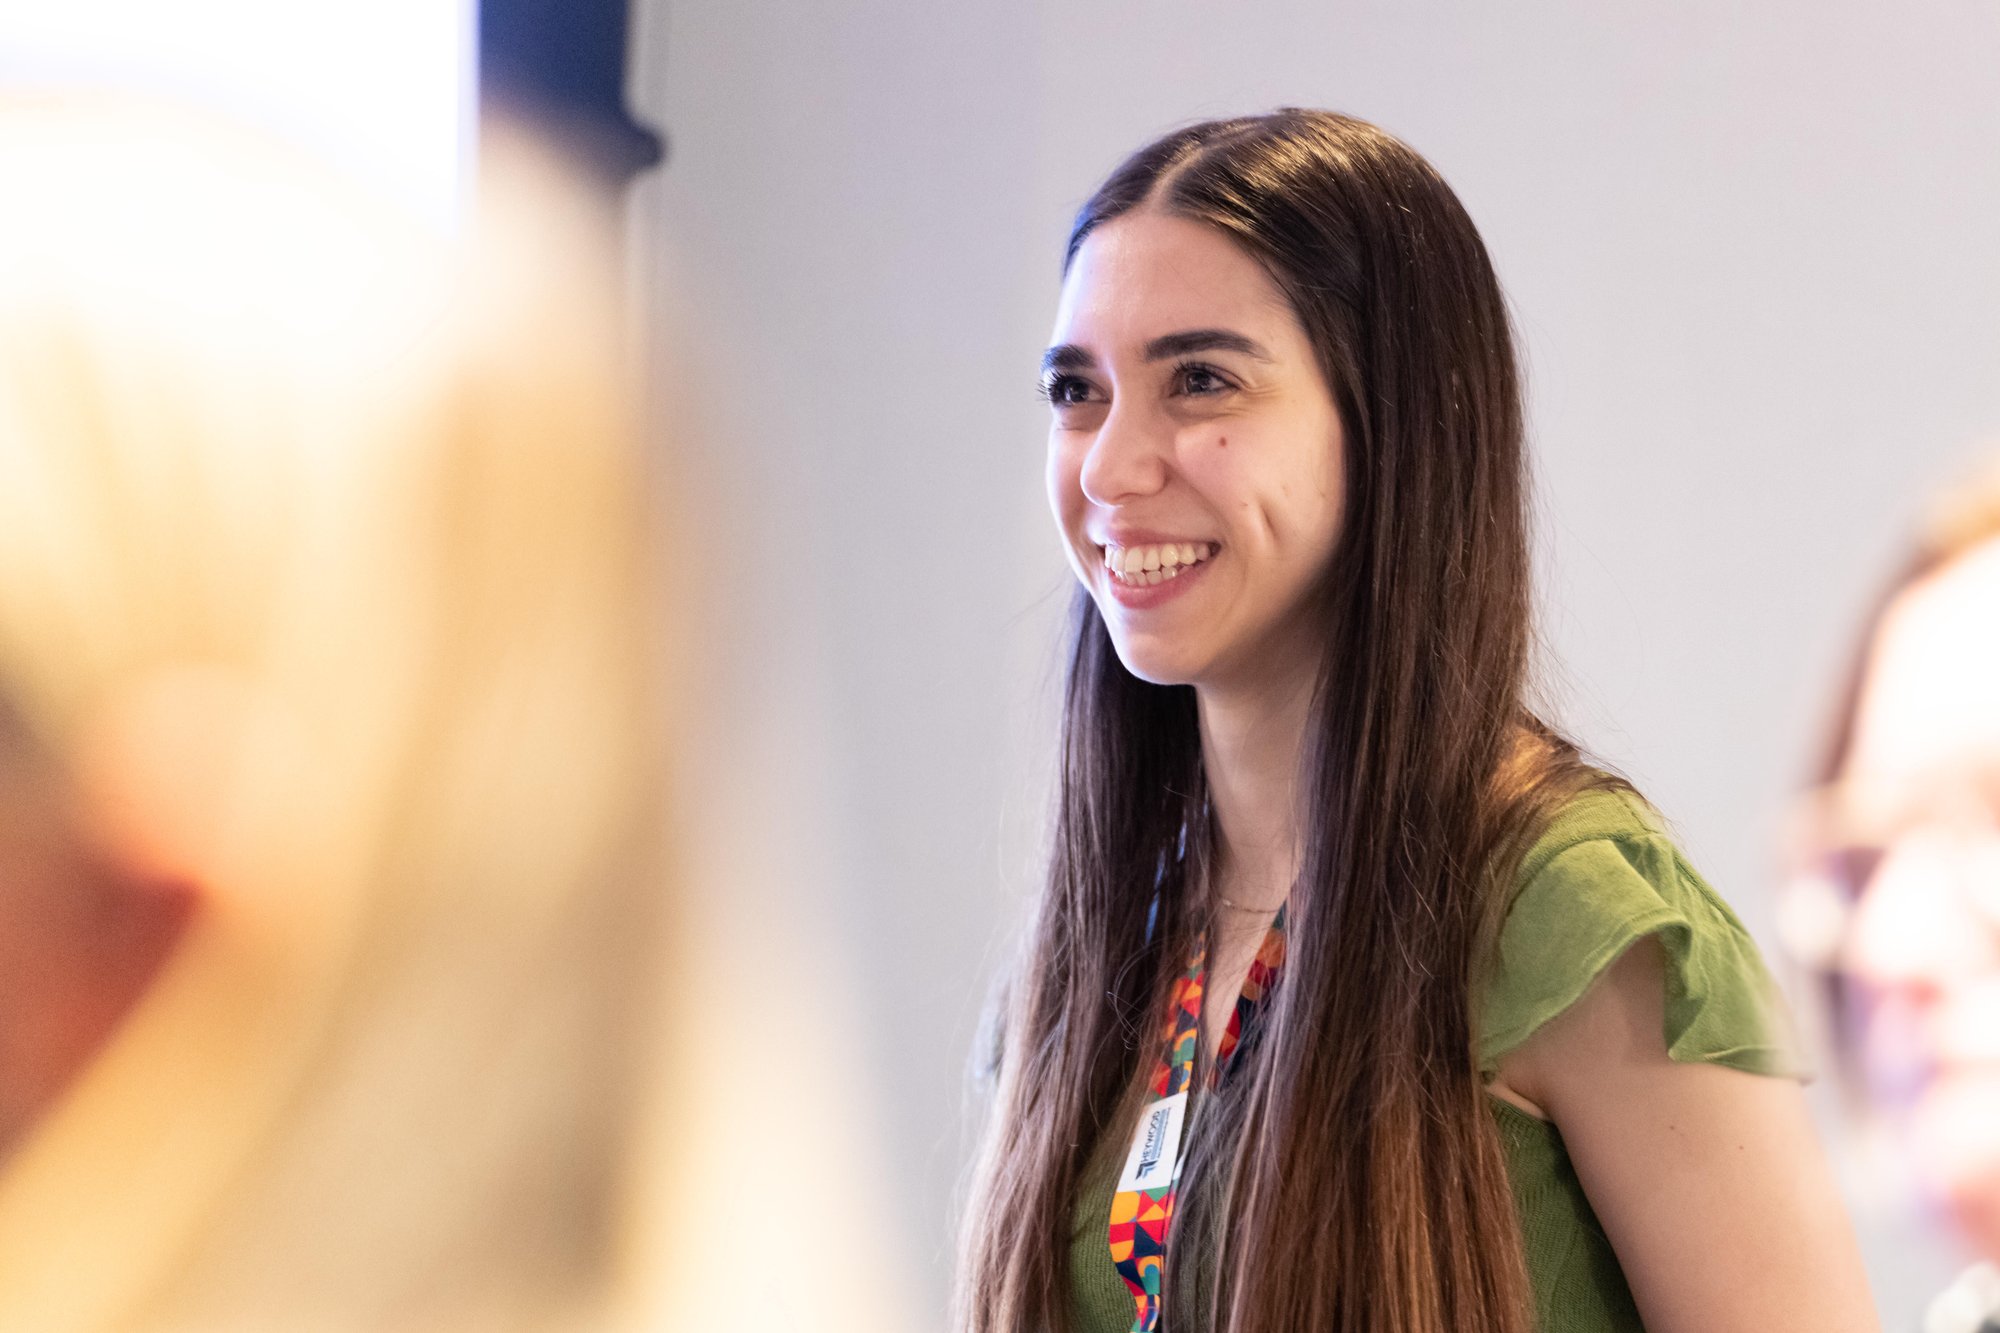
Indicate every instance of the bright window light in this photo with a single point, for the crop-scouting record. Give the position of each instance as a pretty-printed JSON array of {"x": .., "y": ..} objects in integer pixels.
[{"x": 383, "y": 88}]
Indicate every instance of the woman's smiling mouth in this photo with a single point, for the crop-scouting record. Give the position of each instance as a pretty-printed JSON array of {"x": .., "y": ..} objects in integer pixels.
[
  {"x": 1139, "y": 577},
  {"x": 1143, "y": 566}
]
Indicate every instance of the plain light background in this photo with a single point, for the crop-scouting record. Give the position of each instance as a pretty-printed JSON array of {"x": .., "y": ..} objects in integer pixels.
[{"x": 1751, "y": 252}]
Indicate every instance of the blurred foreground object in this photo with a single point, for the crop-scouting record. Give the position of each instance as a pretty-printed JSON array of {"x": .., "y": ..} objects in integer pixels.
[
  {"x": 1894, "y": 896},
  {"x": 329, "y": 744},
  {"x": 384, "y": 90},
  {"x": 561, "y": 65}
]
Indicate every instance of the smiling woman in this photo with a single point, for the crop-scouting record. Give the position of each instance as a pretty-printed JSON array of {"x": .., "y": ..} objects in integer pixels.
[
  {"x": 1355, "y": 999},
  {"x": 1235, "y": 361}
]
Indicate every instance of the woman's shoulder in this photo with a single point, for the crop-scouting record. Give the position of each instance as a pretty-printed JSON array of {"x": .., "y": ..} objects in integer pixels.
[
  {"x": 1603, "y": 874},
  {"x": 1607, "y": 813}
]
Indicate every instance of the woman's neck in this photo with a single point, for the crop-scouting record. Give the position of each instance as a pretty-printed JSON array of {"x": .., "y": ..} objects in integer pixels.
[{"x": 1252, "y": 744}]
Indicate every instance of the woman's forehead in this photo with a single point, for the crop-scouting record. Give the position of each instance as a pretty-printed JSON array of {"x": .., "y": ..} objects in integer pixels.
[{"x": 1149, "y": 273}]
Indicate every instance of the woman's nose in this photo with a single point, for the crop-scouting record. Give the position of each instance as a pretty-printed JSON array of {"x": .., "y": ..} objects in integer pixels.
[{"x": 1127, "y": 458}]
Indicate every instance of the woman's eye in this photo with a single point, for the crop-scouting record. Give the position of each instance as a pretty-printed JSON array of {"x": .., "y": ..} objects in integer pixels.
[
  {"x": 1065, "y": 390},
  {"x": 1202, "y": 381}
]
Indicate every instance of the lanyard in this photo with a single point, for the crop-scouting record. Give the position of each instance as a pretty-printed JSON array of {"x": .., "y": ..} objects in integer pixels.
[{"x": 1142, "y": 1210}]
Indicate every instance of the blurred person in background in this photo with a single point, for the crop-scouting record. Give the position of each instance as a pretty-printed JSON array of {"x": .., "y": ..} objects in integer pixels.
[
  {"x": 1356, "y": 999},
  {"x": 329, "y": 761},
  {"x": 1894, "y": 892}
]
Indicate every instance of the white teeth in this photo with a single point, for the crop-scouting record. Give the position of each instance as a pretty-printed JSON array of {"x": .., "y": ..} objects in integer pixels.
[{"x": 1143, "y": 566}]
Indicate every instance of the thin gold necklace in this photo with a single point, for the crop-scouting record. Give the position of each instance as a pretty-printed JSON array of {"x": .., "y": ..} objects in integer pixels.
[
  {"x": 1217, "y": 894},
  {"x": 1208, "y": 875}
]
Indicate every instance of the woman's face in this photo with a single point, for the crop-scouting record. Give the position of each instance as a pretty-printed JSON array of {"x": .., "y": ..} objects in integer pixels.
[
  {"x": 1194, "y": 455},
  {"x": 1921, "y": 793}
]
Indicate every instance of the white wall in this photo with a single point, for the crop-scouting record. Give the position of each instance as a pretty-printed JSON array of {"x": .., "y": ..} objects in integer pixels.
[{"x": 1752, "y": 255}]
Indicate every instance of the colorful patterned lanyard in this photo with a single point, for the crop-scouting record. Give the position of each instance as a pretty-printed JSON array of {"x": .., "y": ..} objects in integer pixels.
[{"x": 1142, "y": 1211}]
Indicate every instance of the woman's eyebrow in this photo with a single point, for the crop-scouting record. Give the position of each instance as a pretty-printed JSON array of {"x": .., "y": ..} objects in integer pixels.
[
  {"x": 1069, "y": 356},
  {"x": 1172, "y": 345}
]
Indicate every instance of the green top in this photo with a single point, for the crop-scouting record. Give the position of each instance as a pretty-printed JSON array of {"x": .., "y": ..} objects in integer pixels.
[{"x": 1602, "y": 876}]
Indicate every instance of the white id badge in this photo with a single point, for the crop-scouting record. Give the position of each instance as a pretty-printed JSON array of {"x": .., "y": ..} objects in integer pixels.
[{"x": 1156, "y": 1145}]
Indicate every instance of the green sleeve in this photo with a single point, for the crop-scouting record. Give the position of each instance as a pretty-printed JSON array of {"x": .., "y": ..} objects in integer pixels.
[{"x": 1585, "y": 903}]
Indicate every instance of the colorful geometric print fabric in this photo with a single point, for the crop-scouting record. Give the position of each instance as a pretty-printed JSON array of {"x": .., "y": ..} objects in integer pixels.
[
  {"x": 1141, "y": 1218},
  {"x": 1257, "y": 987}
]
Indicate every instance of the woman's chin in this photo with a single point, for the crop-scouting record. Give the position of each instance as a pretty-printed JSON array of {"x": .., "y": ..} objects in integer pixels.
[{"x": 1156, "y": 663}]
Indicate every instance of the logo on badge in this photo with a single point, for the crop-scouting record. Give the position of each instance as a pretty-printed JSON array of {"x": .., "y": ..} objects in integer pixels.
[{"x": 1156, "y": 1145}]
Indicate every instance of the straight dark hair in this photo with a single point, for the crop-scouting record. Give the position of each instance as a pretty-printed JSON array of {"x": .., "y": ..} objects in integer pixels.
[{"x": 1350, "y": 1177}]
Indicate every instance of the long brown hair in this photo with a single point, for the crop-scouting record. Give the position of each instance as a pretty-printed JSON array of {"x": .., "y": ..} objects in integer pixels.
[{"x": 1350, "y": 1172}]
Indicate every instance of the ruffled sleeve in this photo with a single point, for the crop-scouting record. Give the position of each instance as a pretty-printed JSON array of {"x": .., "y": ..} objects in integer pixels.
[{"x": 1604, "y": 877}]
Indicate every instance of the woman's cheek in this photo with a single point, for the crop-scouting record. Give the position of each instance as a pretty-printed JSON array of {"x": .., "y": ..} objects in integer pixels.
[
  {"x": 1213, "y": 461},
  {"x": 1063, "y": 478},
  {"x": 1068, "y": 505}
]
